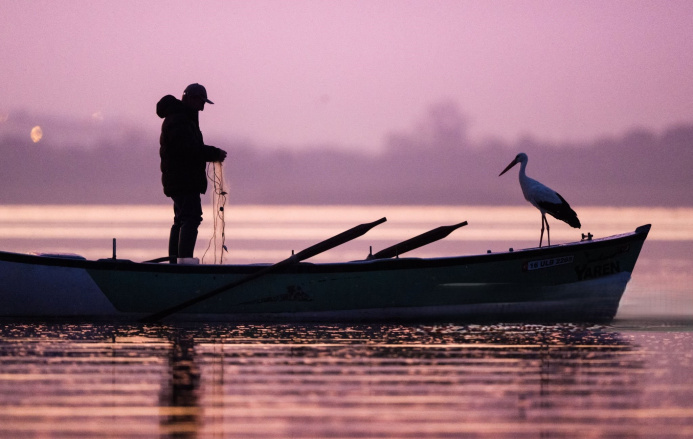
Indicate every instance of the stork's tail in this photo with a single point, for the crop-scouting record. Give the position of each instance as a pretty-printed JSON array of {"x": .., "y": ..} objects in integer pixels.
[{"x": 573, "y": 220}]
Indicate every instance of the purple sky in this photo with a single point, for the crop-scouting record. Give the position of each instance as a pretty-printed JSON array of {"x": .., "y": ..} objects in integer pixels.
[{"x": 348, "y": 73}]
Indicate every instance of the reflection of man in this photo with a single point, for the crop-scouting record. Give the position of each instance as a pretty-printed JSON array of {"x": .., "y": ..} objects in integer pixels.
[
  {"x": 183, "y": 161},
  {"x": 182, "y": 389}
]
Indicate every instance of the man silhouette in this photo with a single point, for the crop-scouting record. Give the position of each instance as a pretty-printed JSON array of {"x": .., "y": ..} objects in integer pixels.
[{"x": 184, "y": 156}]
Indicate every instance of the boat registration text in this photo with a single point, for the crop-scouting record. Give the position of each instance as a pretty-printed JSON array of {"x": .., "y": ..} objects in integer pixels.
[{"x": 548, "y": 263}]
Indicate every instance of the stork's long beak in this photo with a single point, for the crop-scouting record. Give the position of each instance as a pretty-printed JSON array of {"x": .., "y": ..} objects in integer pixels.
[{"x": 513, "y": 163}]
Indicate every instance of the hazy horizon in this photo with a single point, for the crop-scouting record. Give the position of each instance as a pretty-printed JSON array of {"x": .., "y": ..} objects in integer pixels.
[{"x": 432, "y": 162}]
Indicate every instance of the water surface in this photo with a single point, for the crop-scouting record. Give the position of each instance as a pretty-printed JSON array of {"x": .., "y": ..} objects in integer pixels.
[
  {"x": 312, "y": 381},
  {"x": 631, "y": 379}
]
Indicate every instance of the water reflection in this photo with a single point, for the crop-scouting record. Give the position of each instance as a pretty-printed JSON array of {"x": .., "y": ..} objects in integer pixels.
[
  {"x": 305, "y": 381},
  {"x": 180, "y": 394}
]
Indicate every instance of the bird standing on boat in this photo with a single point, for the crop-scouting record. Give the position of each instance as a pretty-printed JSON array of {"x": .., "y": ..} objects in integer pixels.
[{"x": 543, "y": 198}]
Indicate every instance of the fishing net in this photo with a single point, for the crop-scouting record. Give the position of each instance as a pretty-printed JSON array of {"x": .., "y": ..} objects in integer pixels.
[{"x": 217, "y": 247}]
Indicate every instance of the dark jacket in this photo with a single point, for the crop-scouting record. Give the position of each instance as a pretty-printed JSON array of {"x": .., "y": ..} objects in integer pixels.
[{"x": 182, "y": 151}]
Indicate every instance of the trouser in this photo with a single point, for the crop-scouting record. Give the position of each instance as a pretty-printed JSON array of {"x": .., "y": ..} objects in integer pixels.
[{"x": 187, "y": 216}]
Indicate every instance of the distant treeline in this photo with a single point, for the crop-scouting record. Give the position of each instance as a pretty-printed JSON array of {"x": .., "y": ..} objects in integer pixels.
[{"x": 434, "y": 164}]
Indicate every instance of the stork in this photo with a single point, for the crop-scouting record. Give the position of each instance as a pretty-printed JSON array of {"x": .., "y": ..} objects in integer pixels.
[{"x": 543, "y": 198}]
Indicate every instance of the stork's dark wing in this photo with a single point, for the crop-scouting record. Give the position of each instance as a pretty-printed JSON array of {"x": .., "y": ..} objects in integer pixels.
[{"x": 561, "y": 211}]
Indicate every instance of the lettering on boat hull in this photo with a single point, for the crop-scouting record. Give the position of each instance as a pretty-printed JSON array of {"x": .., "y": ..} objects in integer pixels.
[
  {"x": 592, "y": 271},
  {"x": 293, "y": 294}
]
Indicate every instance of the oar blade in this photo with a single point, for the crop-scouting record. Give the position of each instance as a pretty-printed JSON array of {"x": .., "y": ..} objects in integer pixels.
[
  {"x": 337, "y": 240},
  {"x": 417, "y": 241}
]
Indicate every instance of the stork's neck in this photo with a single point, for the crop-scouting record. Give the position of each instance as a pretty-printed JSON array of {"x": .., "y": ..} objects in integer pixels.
[
  {"x": 522, "y": 175},
  {"x": 525, "y": 182}
]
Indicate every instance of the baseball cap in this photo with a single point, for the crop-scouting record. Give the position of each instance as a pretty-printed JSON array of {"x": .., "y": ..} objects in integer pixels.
[{"x": 197, "y": 90}]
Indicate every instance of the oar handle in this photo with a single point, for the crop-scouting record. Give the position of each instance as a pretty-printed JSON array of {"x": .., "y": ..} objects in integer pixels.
[{"x": 417, "y": 241}]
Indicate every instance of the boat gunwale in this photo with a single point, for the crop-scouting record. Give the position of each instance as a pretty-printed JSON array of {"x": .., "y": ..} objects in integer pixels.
[{"x": 360, "y": 265}]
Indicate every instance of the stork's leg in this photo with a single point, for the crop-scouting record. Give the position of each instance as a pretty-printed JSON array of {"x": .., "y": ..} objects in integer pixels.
[
  {"x": 548, "y": 233},
  {"x": 541, "y": 237}
]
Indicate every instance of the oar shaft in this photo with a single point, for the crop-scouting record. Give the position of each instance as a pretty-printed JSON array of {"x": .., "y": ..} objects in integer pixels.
[
  {"x": 320, "y": 247},
  {"x": 181, "y": 306},
  {"x": 417, "y": 241}
]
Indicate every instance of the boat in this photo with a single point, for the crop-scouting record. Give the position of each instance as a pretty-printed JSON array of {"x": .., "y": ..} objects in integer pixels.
[{"x": 573, "y": 282}]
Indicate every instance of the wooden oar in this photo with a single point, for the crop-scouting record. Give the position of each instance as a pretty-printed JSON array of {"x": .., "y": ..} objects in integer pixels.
[
  {"x": 157, "y": 260},
  {"x": 311, "y": 251},
  {"x": 416, "y": 242}
]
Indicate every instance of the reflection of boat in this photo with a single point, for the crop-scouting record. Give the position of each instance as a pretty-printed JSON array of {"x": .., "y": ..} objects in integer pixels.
[{"x": 581, "y": 281}]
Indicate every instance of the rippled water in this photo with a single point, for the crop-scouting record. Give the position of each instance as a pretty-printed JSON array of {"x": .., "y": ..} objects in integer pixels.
[
  {"x": 302, "y": 381},
  {"x": 633, "y": 379}
]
